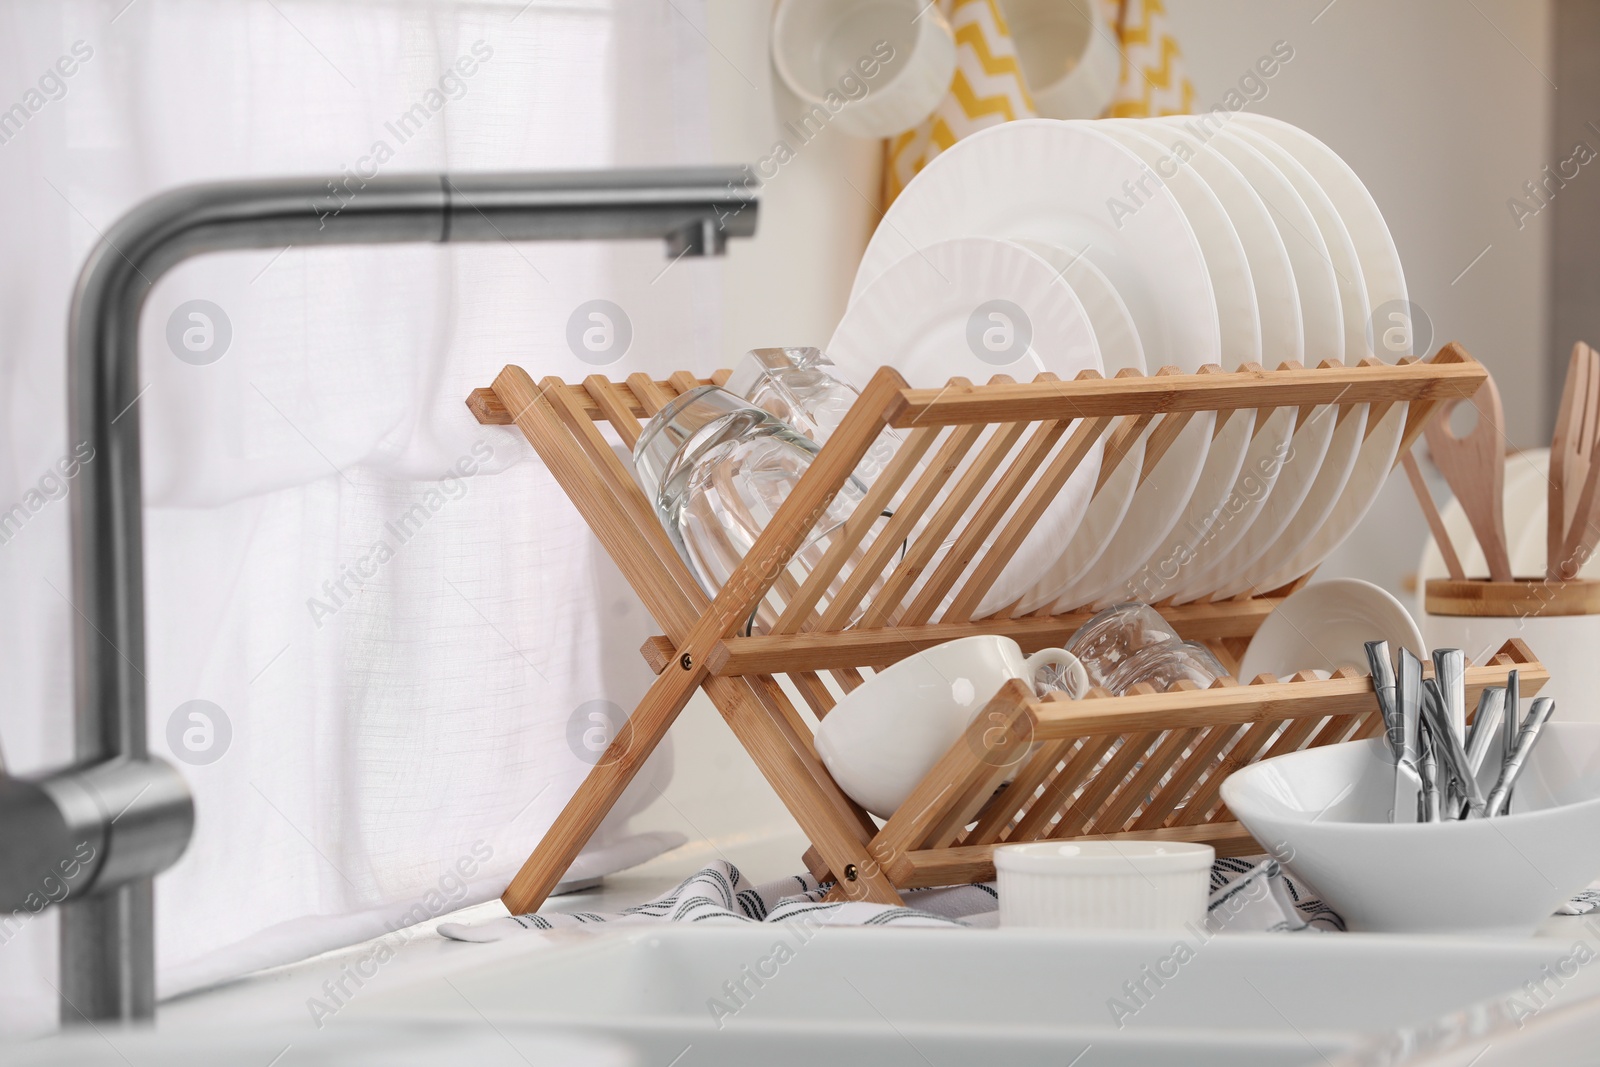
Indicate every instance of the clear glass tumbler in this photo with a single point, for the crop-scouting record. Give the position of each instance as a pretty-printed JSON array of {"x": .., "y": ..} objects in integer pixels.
[
  {"x": 801, "y": 386},
  {"x": 717, "y": 469},
  {"x": 1164, "y": 663},
  {"x": 1115, "y": 635}
]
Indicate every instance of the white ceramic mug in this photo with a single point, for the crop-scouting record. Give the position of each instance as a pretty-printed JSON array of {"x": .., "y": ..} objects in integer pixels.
[
  {"x": 870, "y": 67},
  {"x": 1069, "y": 56},
  {"x": 884, "y": 737}
]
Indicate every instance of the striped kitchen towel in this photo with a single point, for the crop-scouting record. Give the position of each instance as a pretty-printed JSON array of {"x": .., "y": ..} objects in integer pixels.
[
  {"x": 1248, "y": 895},
  {"x": 989, "y": 87}
]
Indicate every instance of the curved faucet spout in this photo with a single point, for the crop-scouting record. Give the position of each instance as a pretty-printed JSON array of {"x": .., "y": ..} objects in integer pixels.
[{"x": 107, "y": 938}]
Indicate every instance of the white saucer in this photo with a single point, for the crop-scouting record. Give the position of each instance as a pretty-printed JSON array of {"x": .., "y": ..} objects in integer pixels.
[
  {"x": 1052, "y": 181},
  {"x": 932, "y": 316}
]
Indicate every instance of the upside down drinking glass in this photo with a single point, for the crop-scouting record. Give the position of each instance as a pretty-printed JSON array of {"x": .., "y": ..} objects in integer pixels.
[{"x": 717, "y": 468}]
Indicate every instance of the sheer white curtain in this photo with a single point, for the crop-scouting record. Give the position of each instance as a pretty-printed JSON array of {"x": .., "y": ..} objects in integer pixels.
[{"x": 393, "y": 614}]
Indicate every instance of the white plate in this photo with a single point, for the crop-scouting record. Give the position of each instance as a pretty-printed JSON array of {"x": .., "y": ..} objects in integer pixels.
[
  {"x": 1380, "y": 260},
  {"x": 1172, "y": 509},
  {"x": 1373, "y": 464},
  {"x": 1221, "y": 510},
  {"x": 1315, "y": 283},
  {"x": 1113, "y": 324},
  {"x": 1119, "y": 350},
  {"x": 1386, "y": 299},
  {"x": 1051, "y": 181},
  {"x": 1326, "y": 626},
  {"x": 1527, "y": 487},
  {"x": 1225, "y": 259},
  {"x": 1277, "y": 300},
  {"x": 1322, "y": 313},
  {"x": 1320, "y": 499},
  {"x": 926, "y": 318},
  {"x": 1343, "y": 258},
  {"x": 1267, "y": 546},
  {"x": 1157, "y": 504},
  {"x": 1264, "y": 463},
  {"x": 1154, "y": 579}
]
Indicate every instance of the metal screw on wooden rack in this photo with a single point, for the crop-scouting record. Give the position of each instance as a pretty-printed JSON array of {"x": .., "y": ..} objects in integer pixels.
[
  {"x": 686, "y": 661},
  {"x": 849, "y": 872}
]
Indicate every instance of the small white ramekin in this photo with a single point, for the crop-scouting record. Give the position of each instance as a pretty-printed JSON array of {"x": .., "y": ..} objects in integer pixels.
[{"x": 1103, "y": 885}]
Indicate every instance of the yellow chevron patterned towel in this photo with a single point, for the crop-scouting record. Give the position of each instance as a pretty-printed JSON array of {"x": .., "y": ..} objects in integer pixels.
[
  {"x": 988, "y": 86},
  {"x": 987, "y": 89},
  {"x": 1153, "y": 80}
]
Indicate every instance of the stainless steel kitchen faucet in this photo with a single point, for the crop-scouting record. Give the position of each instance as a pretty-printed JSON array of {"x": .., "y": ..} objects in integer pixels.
[{"x": 92, "y": 836}]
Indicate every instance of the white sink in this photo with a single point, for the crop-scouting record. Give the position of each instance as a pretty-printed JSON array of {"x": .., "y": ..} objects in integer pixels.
[{"x": 936, "y": 997}]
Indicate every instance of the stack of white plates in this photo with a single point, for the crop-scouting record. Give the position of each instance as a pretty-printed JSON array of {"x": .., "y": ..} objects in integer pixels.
[{"x": 1139, "y": 245}]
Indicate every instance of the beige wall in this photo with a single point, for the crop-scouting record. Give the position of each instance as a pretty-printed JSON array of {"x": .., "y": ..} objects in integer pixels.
[{"x": 1444, "y": 110}]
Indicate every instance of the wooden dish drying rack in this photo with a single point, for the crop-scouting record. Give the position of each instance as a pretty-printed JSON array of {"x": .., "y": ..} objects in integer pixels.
[{"x": 1144, "y": 764}]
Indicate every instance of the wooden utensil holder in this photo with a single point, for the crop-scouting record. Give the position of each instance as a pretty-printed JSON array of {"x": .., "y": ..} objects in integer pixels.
[{"x": 1145, "y": 764}]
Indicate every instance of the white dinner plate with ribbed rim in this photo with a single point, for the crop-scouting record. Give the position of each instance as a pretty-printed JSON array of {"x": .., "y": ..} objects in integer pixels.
[
  {"x": 1171, "y": 510},
  {"x": 1052, "y": 181},
  {"x": 1238, "y": 313},
  {"x": 1320, "y": 460},
  {"x": 1386, "y": 297},
  {"x": 1223, "y": 506},
  {"x": 1119, "y": 350},
  {"x": 1277, "y": 301},
  {"x": 1344, "y": 448},
  {"x": 1113, "y": 323},
  {"x": 1380, "y": 261},
  {"x": 1343, "y": 259},
  {"x": 1315, "y": 284},
  {"x": 1311, "y": 264},
  {"x": 933, "y": 316}
]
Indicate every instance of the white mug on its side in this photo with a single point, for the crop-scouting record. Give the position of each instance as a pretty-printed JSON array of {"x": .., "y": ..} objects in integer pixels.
[{"x": 885, "y": 735}]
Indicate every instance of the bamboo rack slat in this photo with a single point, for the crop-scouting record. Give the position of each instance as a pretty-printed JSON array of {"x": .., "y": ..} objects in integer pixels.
[{"x": 975, "y": 468}]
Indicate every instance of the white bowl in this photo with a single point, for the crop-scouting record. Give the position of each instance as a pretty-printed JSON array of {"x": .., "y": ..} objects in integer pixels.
[
  {"x": 1103, "y": 885},
  {"x": 1323, "y": 813},
  {"x": 1326, "y": 626},
  {"x": 872, "y": 67}
]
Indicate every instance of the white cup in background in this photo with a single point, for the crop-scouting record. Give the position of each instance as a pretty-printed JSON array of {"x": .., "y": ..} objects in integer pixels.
[
  {"x": 1069, "y": 56},
  {"x": 890, "y": 62},
  {"x": 886, "y": 735}
]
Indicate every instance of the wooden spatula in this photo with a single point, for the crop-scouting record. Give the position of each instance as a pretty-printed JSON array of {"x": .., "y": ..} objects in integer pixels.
[
  {"x": 1564, "y": 461},
  {"x": 1475, "y": 468},
  {"x": 1574, "y": 469}
]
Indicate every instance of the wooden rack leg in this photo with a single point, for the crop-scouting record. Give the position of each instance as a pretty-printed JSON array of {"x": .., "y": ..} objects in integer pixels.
[
  {"x": 599, "y": 791},
  {"x": 806, "y": 789}
]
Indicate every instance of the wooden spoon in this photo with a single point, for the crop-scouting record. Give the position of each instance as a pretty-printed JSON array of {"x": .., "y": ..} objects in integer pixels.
[
  {"x": 1565, "y": 461},
  {"x": 1430, "y": 511},
  {"x": 1475, "y": 468},
  {"x": 1573, "y": 467}
]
